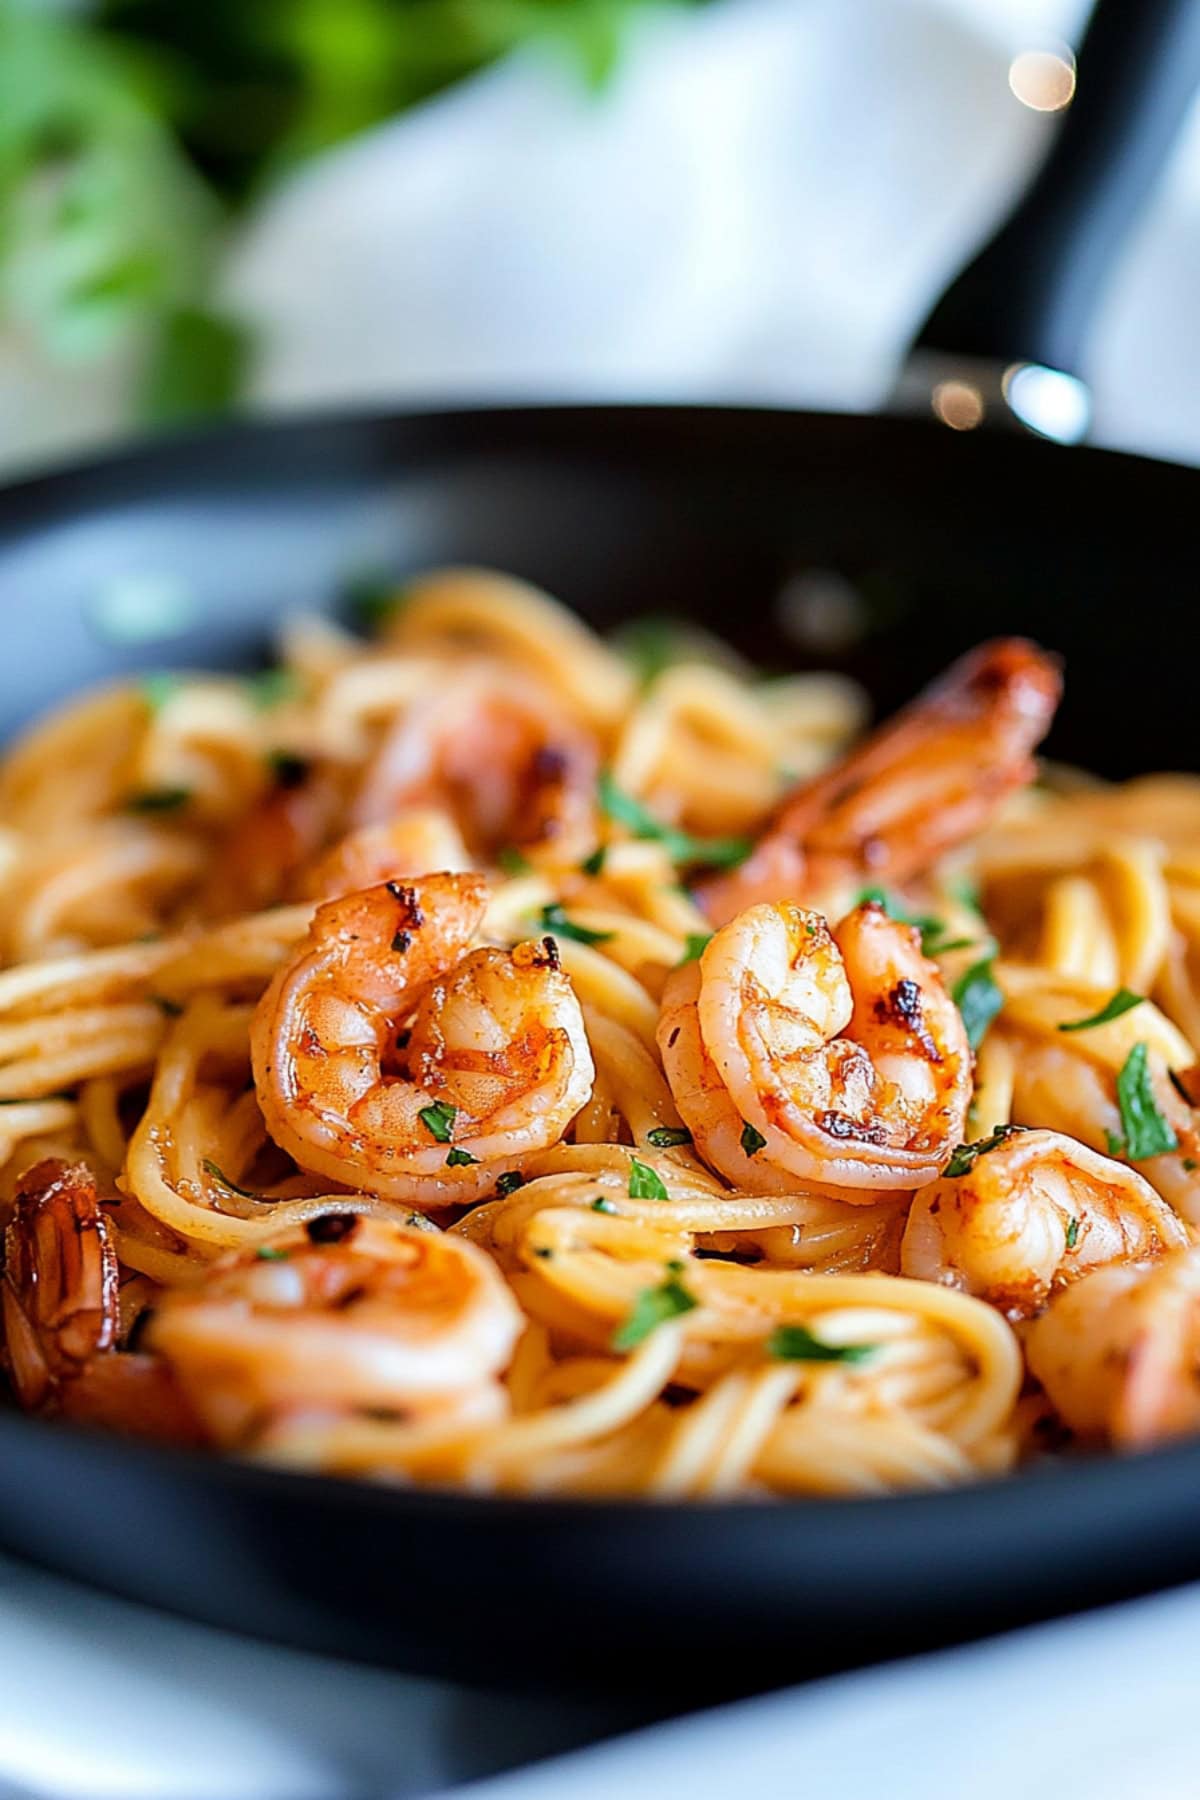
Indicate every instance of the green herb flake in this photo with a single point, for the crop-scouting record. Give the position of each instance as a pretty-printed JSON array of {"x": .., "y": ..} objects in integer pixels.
[
  {"x": 513, "y": 861},
  {"x": 652, "y": 1308},
  {"x": 1123, "y": 1001},
  {"x": 554, "y": 919},
  {"x": 1115, "y": 1142},
  {"x": 1072, "y": 1233},
  {"x": 694, "y": 946},
  {"x": 268, "y": 1253},
  {"x": 544, "y": 1251},
  {"x": 602, "y": 1205},
  {"x": 165, "y": 1004},
  {"x": 214, "y": 1169},
  {"x": 159, "y": 687},
  {"x": 460, "y": 1159},
  {"x": 594, "y": 864},
  {"x": 158, "y": 800},
  {"x": 680, "y": 846},
  {"x": 287, "y": 769},
  {"x": 668, "y": 1137},
  {"x": 965, "y": 1156},
  {"x": 1146, "y": 1131},
  {"x": 752, "y": 1140},
  {"x": 509, "y": 1182},
  {"x": 796, "y": 1343},
  {"x": 438, "y": 1120},
  {"x": 978, "y": 999},
  {"x": 644, "y": 1183},
  {"x": 1190, "y": 1165},
  {"x": 271, "y": 687}
]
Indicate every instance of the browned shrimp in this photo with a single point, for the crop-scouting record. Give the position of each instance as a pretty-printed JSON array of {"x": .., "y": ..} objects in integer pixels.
[
  {"x": 417, "y": 843},
  {"x": 1119, "y": 1353},
  {"x": 61, "y": 1309},
  {"x": 1025, "y": 1213},
  {"x": 391, "y": 1056},
  {"x": 799, "y": 1056},
  {"x": 920, "y": 784},
  {"x": 266, "y": 850},
  {"x": 512, "y": 767}
]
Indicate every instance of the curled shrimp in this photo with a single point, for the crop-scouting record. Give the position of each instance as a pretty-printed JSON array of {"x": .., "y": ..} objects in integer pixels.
[
  {"x": 420, "y": 841},
  {"x": 833, "y": 1059},
  {"x": 1030, "y": 1212},
  {"x": 929, "y": 778},
  {"x": 390, "y": 1056},
  {"x": 500, "y": 754},
  {"x": 344, "y": 1312},
  {"x": 62, "y": 1314},
  {"x": 1119, "y": 1352}
]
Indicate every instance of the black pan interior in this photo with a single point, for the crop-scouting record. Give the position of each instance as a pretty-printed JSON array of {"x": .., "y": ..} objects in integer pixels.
[{"x": 882, "y": 547}]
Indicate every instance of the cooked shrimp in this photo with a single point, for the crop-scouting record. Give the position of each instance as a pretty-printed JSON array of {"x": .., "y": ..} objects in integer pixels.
[
  {"x": 920, "y": 784},
  {"x": 836, "y": 1060},
  {"x": 417, "y": 843},
  {"x": 390, "y": 1056},
  {"x": 1030, "y": 1212},
  {"x": 262, "y": 856},
  {"x": 500, "y": 753},
  {"x": 1119, "y": 1353},
  {"x": 61, "y": 1309},
  {"x": 344, "y": 1312}
]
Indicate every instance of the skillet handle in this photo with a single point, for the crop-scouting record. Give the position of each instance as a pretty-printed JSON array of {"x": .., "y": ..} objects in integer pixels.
[{"x": 1029, "y": 295}]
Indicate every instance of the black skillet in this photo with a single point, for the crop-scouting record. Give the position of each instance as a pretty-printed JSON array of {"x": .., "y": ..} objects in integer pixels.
[{"x": 881, "y": 545}]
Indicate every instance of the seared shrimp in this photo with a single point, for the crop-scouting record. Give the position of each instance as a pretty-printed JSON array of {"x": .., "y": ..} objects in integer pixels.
[
  {"x": 391, "y": 1057},
  {"x": 797, "y": 1055},
  {"x": 417, "y": 843},
  {"x": 1119, "y": 1353},
  {"x": 920, "y": 784},
  {"x": 512, "y": 768},
  {"x": 61, "y": 1309},
  {"x": 1030, "y": 1212},
  {"x": 344, "y": 1312}
]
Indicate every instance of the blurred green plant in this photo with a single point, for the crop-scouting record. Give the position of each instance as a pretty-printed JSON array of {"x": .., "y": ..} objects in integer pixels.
[{"x": 131, "y": 131}]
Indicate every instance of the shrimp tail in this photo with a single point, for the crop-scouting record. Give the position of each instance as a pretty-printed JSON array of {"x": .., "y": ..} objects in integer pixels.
[{"x": 920, "y": 784}]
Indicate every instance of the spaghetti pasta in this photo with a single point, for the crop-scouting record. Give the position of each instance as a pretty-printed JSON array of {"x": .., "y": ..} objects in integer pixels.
[{"x": 477, "y": 1064}]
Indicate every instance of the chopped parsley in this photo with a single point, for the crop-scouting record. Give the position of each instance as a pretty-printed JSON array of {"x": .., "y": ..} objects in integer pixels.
[
  {"x": 271, "y": 687},
  {"x": 1190, "y": 1165},
  {"x": 594, "y": 864},
  {"x": 752, "y": 1140},
  {"x": 694, "y": 946},
  {"x": 214, "y": 1169},
  {"x": 978, "y": 999},
  {"x": 268, "y": 1252},
  {"x": 1123, "y": 1001},
  {"x": 1072, "y": 1233},
  {"x": 460, "y": 1159},
  {"x": 554, "y": 919},
  {"x": 165, "y": 1004},
  {"x": 544, "y": 1251},
  {"x": 438, "y": 1120},
  {"x": 1145, "y": 1131},
  {"x": 156, "y": 800},
  {"x": 644, "y": 1183},
  {"x": 513, "y": 861},
  {"x": 652, "y": 1308},
  {"x": 158, "y": 688},
  {"x": 966, "y": 1156},
  {"x": 666, "y": 1137},
  {"x": 602, "y": 1205},
  {"x": 680, "y": 846},
  {"x": 1115, "y": 1142},
  {"x": 509, "y": 1182},
  {"x": 935, "y": 933},
  {"x": 796, "y": 1343}
]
